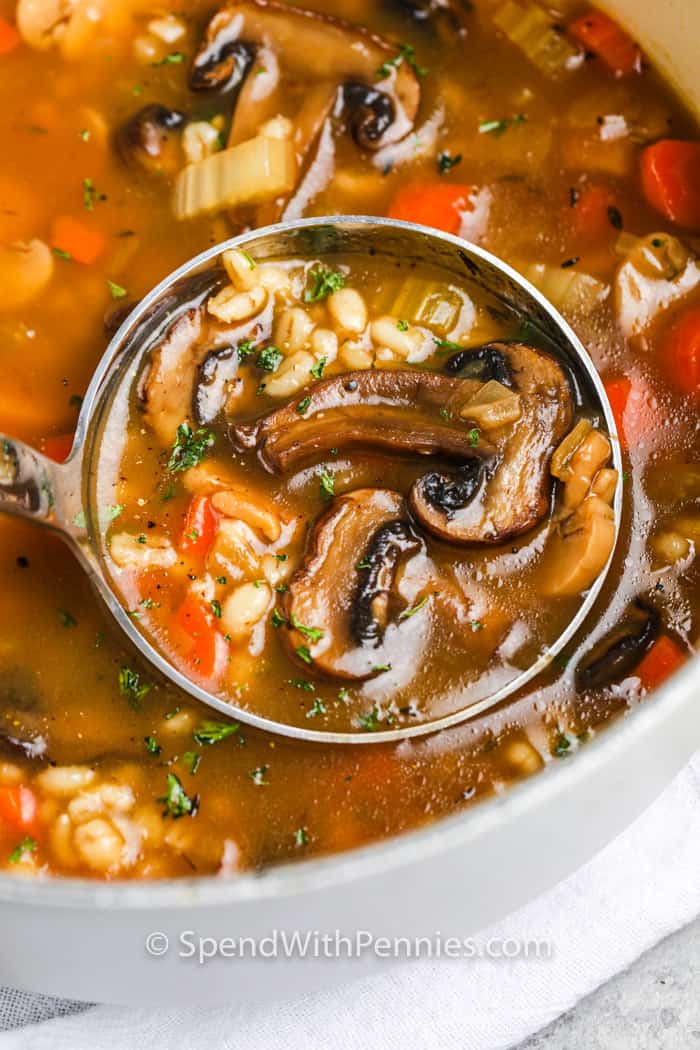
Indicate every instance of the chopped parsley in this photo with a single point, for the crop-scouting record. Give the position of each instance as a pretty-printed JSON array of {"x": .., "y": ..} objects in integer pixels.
[
  {"x": 323, "y": 283},
  {"x": 269, "y": 358},
  {"x": 277, "y": 619},
  {"x": 131, "y": 687},
  {"x": 498, "y": 127},
  {"x": 176, "y": 801},
  {"x": 303, "y": 405},
  {"x": 402, "y": 325},
  {"x": 446, "y": 345},
  {"x": 193, "y": 759},
  {"x": 365, "y": 564},
  {"x": 446, "y": 161},
  {"x": 248, "y": 258},
  {"x": 301, "y": 683},
  {"x": 407, "y": 54},
  {"x": 304, "y": 654},
  {"x": 314, "y": 634},
  {"x": 317, "y": 371},
  {"x": 61, "y": 253},
  {"x": 343, "y": 695},
  {"x": 370, "y": 721},
  {"x": 381, "y": 667},
  {"x": 258, "y": 776},
  {"x": 27, "y": 845},
  {"x": 317, "y": 708},
  {"x": 209, "y": 732},
  {"x": 216, "y": 608},
  {"x": 476, "y": 625},
  {"x": 152, "y": 745},
  {"x": 222, "y": 580},
  {"x": 90, "y": 194},
  {"x": 116, "y": 290},
  {"x": 562, "y": 745},
  {"x": 245, "y": 349},
  {"x": 414, "y": 609},
  {"x": 84, "y": 135},
  {"x": 474, "y": 437},
  {"x": 168, "y": 493},
  {"x": 300, "y": 837},
  {"x": 175, "y": 58},
  {"x": 445, "y": 413},
  {"x": 66, "y": 618},
  {"x": 327, "y": 485},
  {"x": 190, "y": 447}
]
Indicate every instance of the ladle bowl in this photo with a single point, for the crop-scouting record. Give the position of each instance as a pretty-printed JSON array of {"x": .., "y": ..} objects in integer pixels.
[{"x": 66, "y": 498}]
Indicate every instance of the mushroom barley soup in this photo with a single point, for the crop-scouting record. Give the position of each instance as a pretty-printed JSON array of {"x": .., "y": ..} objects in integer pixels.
[
  {"x": 362, "y": 511},
  {"x": 329, "y": 481}
]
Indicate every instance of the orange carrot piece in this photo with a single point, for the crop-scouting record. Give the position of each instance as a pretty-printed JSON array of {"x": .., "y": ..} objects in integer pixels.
[
  {"x": 670, "y": 171},
  {"x": 594, "y": 213},
  {"x": 436, "y": 204},
  {"x": 18, "y": 807},
  {"x": 78, "y": 241},
  {"x": 681, "y": 353},
  {"x": 660, "y": 662},
  {"x": 9, "y": 37},
  {"x": 57, "y": 447},
  {"x": 629, "y": 400},
  {"x": 604, "y": 37},
  {"x": 207, "y": 648},
  {"x": 199, "y": 527}
]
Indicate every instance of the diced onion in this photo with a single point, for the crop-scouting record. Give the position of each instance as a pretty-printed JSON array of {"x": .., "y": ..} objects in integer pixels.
[
  {"x": 250, "y": 173},
  {"x": 574, "y": 293}
]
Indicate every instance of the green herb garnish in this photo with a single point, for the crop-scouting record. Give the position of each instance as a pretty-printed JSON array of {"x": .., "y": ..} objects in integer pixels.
[
  {"x": 190, "y": 447},
  {"x": 66, "y": 618},
  {"x": 317, "y": 708},
  {"x": 131, "y": 687},
  {"x": 317, "y": 371},
  {"x": 175, "y": 58},
  {"x": 301, "y": 683},
  {"x": 258, "y": 776},
  {"x": 177, "y": 802},
  {"x": 327, "y": 485},
  {"x": 208, "y": 732},
  {"x": 446, "y": 345},
  {"x": 304, "y": 654},
  {"x": 323, "y": 283},
  {"x": 216, "y": 608},
  {"x": 498, "y": 127},
  {"x": 269, "y": 358},
  {"x": 314, "y": 634},
  {"x": 407, "y": 54},
  {"x": 193, "y": 759},
  {"x": 277, "y": 619},
  {"x": 300, "y": 837},
  {"x": 27, "y": 845},
  {"x": 474, "y": 437},
  {"x": 446, "y": 161},
  {"x": 303, "y": 405},
  {"x": 116, "y": 290},
  {"x": 407, "y": 613}
]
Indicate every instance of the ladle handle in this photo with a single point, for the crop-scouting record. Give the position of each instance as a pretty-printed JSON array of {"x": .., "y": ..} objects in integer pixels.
[{"x": 35, "y": 487}]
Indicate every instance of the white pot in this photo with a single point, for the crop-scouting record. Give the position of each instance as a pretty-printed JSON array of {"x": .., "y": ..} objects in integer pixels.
[{"x": 86, "y": 940}]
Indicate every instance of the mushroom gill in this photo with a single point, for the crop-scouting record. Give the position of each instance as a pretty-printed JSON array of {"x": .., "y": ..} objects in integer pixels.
[{"x": 343, "y": 606}]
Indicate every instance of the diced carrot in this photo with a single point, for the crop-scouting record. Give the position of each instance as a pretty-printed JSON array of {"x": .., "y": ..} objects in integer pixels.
[
  {"x": 593, "y": 211},
  {"x": 18, "y": 808},
  {"x": 57, "y": 447},
  {"x": 671, "y": 180},
  {"x": 80, "y": 242},
  {"x": 604, "y": 37},
  {"x": 681, "y": 353},
  {"x": 207, "y": 649},
  {"x": 199, "y": 527},
  {"x": 630, "y": 403},
  {"x": 9, "y": 37},
  {"x": 661, "y": 661},
  {"x": 436, "y": 204}
]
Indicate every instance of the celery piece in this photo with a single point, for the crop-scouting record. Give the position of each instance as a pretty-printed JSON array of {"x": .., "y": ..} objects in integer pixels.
[{"x": 531, "y": 29}]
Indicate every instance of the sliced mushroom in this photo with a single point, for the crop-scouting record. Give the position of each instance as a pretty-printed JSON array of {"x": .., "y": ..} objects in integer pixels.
[
  {"x": 342, "y": 605},
  {"x": 148, "y": 139},
  {"x": 370, "y": 111},
  {"x": 166, "y": 389},
  {"x": 402, "y": 410},
  {"x": 221, "y": 64},
  {"x": 314, "y": 46},
  {"x": 512, "y": 491},
  {"x": 217, "y": 373},
  {"x": 579, "y": 550},
  {"x": 621, "y": 649}
]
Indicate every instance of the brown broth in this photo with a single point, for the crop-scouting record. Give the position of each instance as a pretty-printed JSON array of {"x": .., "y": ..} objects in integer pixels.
[{"x": 264, "y": 799}]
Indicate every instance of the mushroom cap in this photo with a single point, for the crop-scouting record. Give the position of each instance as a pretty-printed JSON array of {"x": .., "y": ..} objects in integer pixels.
[{"x": 339, "y": 602}]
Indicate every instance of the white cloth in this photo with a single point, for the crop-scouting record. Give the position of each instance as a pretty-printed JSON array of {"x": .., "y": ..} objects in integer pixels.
[{"x": 643, "y": 886}]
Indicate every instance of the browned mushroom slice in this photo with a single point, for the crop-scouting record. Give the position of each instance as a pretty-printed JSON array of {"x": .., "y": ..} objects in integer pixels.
[
  {"x": 214, "y": 381},
  {"x": 166, "y": 389},
  {"x": 313, "y": 46},
  {"x": 402, "y": 411},
  {"x": 619, "y": 652},
  {"x": 512, "y": 493},
  {"x": 343, "y": 607},
  {"x": 149, "y": 139}
]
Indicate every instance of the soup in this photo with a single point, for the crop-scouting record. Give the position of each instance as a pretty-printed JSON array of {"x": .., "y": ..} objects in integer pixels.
[
  {"x": 138, "y": 139},
  {"x": 318, "y": 499}
]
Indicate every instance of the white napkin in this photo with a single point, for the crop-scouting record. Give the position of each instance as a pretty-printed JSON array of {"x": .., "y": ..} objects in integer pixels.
[{"x": 643, "y": 886}]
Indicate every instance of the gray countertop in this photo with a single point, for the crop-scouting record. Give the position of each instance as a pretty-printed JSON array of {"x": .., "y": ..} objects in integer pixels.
[{"x": 655, "y": 1005}]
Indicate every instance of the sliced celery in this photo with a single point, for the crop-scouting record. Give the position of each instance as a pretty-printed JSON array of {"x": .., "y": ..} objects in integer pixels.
[
  {"x": 431, "y": 304},
  {"x": 531, "y": 29},
  {"x": 572, "y": 292}
]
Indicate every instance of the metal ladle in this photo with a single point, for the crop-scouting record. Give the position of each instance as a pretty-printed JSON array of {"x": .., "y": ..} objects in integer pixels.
[{"x": 64, "y": 497}]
